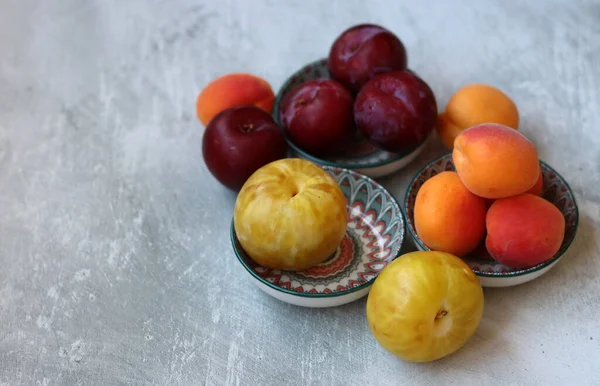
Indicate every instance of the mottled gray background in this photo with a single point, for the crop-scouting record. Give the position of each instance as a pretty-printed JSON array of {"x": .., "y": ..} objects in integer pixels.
[{"x": 115, "y": 263}]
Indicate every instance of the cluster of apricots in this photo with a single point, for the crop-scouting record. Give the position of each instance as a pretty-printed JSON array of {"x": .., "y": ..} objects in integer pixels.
[{"x": 494, "y": 195}]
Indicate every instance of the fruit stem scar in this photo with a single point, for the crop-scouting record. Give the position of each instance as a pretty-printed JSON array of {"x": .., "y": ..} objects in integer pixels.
[
  {"x": 441, "y": 314},
  {"x": 246, "y": 127}
]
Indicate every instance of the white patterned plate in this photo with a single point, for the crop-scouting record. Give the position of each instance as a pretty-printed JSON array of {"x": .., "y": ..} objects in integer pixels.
[{"x": 374, "y": 237}]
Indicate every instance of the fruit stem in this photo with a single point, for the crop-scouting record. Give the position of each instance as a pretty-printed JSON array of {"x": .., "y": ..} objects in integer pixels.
[{"x": 246, "y": 127}]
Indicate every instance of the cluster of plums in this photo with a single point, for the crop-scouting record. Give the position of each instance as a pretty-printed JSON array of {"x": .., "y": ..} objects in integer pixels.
[
  {"x": 370, "y": 89},
  {"x": 370, "y": 94}
]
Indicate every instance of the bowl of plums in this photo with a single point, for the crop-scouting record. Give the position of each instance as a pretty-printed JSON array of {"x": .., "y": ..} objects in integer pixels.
[{"x": 360, "y": 107}]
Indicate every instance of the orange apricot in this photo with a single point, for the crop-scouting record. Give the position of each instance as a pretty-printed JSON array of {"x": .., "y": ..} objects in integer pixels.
[
  {"x": 539, "y": 185},
  {"x": 473, "y": 105},
  {"x": 233, "y": 90},
  {"x": 448, "y": 217},
  {"x": 495, "y": 161},
  {"x": 524, "y": 230},
  {"x": 447, "y": 130}
]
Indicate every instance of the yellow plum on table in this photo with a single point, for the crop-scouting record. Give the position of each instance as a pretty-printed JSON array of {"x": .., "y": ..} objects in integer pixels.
[
  {"x": 425, "y": 305},
  {"x": 290, "y": 214}
]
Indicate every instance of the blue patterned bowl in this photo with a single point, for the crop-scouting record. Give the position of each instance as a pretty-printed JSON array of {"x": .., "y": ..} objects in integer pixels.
[
  {"x": 362, "y": 157},
  {"x": 490, "y": 272},
  {"x": 374, "y": 237}
]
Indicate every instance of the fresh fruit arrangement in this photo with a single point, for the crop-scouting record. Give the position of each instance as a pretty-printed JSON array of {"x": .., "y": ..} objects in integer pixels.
[
  {"x": 292, "y": 216},
  {"x": 355, "y": 152},
  {"x": 394, "y": 109},
  {"x": 368, "y": 93},
  {"x": 552, "y": 187},
  {"x": 493, "y": 197}
]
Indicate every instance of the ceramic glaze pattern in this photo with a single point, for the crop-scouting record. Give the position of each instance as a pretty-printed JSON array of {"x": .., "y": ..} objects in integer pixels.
[
  {"x": 359, "y": 154},
  {"x": 373, "y": 238},
  {"x": 556, "y": 190}
]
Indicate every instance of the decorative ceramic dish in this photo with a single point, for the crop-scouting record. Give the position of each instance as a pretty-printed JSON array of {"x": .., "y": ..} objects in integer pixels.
[
  {"x": 362, "y": 157},
  {"x": 491, "y": 273},
  {"x": 374, "y": 236}
]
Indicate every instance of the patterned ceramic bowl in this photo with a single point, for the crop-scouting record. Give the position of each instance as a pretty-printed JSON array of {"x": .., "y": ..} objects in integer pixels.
[
  {"x": 490, "y": 272},
  {"x": 362, "y": 157},
  {"x": 374, "y": 236}
]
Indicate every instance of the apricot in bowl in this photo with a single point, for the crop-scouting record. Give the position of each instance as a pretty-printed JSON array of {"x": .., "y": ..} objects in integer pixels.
[
  {"x": 495, "y": 161},
  {"x": 491, "y": 272}
]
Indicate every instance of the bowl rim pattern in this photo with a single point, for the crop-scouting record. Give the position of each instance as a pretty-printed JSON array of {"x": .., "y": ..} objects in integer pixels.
[
  {"x": 351, "y": 166},
  {"x": 520, "y": 272},
  {"x": 393, "y": 201}
]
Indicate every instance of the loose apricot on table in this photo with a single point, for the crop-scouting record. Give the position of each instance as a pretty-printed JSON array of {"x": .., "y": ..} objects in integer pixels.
[
  {"x": 473, "y": 105},
  {"x": 233, "y": 90}
]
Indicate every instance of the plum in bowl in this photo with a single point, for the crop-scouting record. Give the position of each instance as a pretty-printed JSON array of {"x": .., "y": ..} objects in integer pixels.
[{"x": 357, "y": 152}]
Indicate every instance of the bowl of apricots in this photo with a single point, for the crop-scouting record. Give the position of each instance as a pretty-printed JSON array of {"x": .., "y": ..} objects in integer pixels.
[{"x": 492, "y": 202}]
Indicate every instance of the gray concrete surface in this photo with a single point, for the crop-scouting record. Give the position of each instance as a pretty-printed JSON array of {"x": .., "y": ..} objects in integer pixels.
[{"x": 115, "y": 263}]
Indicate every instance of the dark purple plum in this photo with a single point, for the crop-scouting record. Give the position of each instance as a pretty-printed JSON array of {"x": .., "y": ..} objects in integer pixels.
[
  {"x": 396, "y": 111},
  {"x": 318, "y": 116},
  {"x": 363, "y": 51},
  {"x": 240, "y": 140}
]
